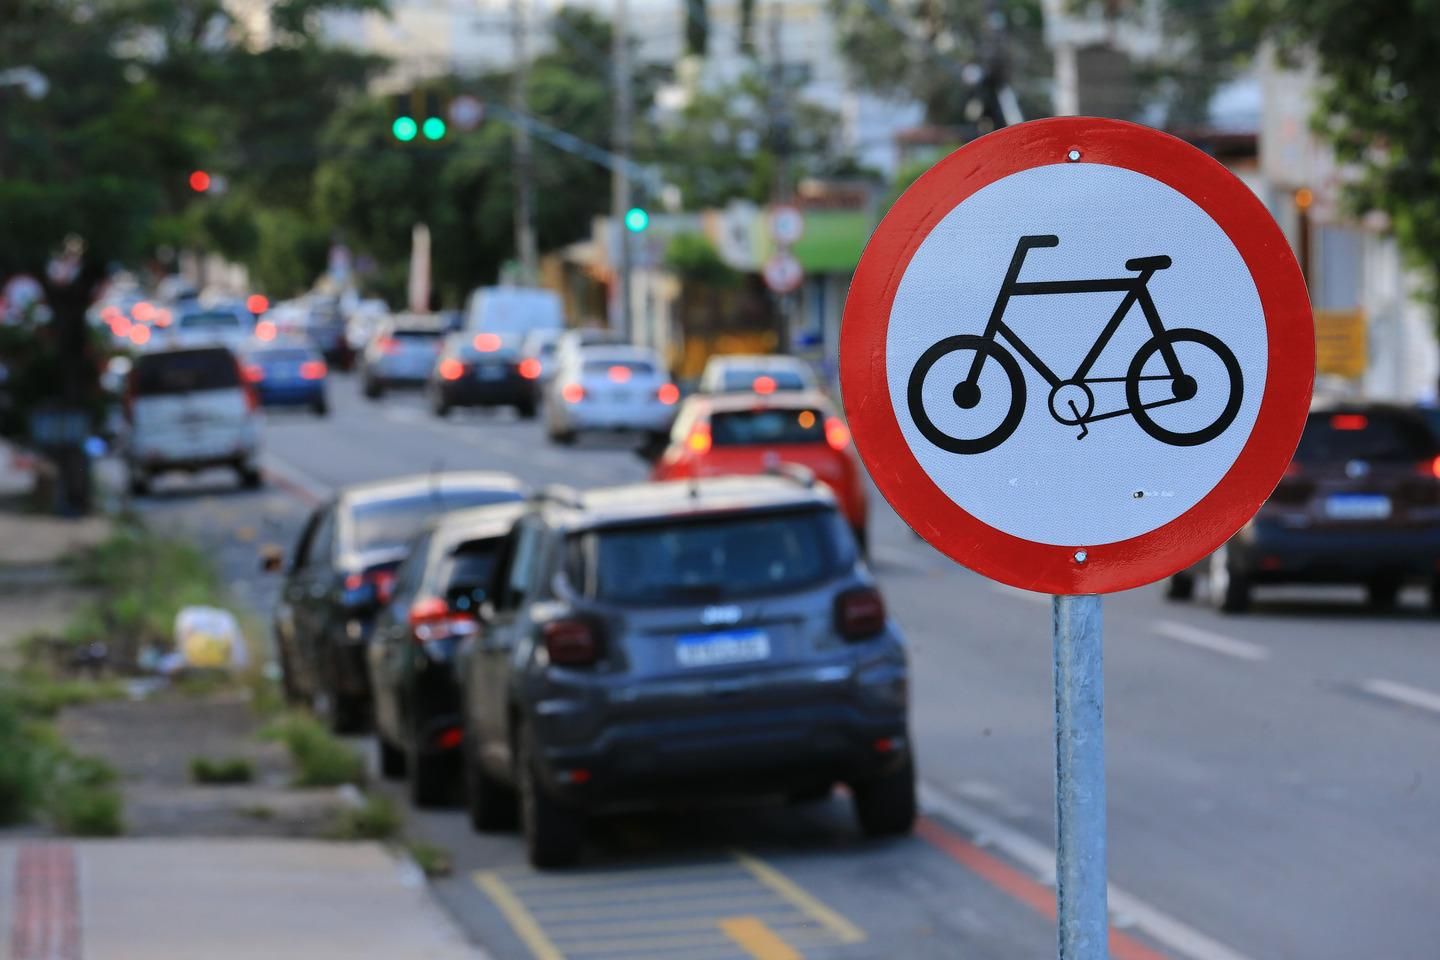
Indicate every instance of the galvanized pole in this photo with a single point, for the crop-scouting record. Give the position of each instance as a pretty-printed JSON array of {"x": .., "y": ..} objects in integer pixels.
[
  {"x": 1080, "y": 778},
  {"x": 525, "y": 246},
  {"x": 620, "y": 180}
]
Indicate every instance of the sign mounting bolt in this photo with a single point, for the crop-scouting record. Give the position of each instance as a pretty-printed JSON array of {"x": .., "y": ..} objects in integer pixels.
[
  {"x": 1081, "y": 556},
  {"x": 1073, "y": 155}
]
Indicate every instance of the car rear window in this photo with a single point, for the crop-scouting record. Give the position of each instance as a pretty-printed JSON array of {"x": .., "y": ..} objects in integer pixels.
[
  {"x": 737, "y": 380},
  {"x": 705, "y": 561},
  {"x": 600, "y": 367},
  {"x": 377, "y": 524},
  {"x": 284, "y": 355},
  {"x": 738, "y": 428},
  {"x": 465, "y": 574},
  {"x": 418, "y": 336},
  {"x": 210, "y": 320},
  {"x": 1372, "y": 435},
  {"x": 184, "y": 371}
]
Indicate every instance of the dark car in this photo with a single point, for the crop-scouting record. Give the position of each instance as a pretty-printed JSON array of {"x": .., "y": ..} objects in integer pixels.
[
  {"x": 287, "y": 375},
  {"x": 438, "y": 590},
  {"x": 682, "y": 641},
  {"x": 325, "y": 328},
  {"x": 484, "y": 370},
  {"x": 403, "y": 353},
  {"x": 1360, "y": 503},
  {"x": 343, "y": 569}
]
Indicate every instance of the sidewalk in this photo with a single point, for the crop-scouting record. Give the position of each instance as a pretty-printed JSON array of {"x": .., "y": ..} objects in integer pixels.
[{"x": 217, "y": 900}]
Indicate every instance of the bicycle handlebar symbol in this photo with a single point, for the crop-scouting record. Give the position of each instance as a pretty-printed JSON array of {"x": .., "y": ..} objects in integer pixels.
[{"x": 1068, "y": 396}]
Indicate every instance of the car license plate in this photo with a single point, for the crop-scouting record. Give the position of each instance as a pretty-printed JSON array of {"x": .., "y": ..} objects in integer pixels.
[
  {"x": 717, "y": 649},
  {"x": 489, "y": 373},
  {"x": 1357, "y": 506}
]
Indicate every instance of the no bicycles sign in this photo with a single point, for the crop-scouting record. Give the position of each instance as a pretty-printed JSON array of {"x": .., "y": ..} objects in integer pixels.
[{"x": 1077, "y": 355}]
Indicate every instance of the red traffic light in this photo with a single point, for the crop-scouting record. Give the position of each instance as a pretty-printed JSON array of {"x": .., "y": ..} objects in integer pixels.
[
  {"x": 199, "y": 181},
  {"x": 257, "y": 303}
]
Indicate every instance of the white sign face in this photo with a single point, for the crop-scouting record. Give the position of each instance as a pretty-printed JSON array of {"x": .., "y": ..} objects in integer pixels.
[
  {"x": 1076, "y": 354},
  {"x": 787, "y": 225},
  {"x": 783, "y": 273},
  {"x": 466, "y": 112}
]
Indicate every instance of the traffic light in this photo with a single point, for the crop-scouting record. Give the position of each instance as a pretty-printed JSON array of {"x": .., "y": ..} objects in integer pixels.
[
  {"x": 637, "y": 219},
  {"x": 199, "y": 181},
  {"x": 434, "y": 126},
  {"x": 417, "y": 114},
  {"x": 403, "y": 126}
]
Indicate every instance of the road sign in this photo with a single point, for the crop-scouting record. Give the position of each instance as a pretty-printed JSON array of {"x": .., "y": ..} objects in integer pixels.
[
  {"x": 787, "y": 224},
  {"x": 783, "y": 273},
  {"x": 466, "y": 112},
  {"x": 1077, "y": 355},
  {"x": 1340, "y": 343}
]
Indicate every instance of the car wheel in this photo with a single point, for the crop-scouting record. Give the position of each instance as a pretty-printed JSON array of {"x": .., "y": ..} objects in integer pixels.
[
  {"x": 1229, "y": 588},
  {"x": 526, "y": 410},
  {"x": 808, "y": 795},
  {"x": 372, "y": 390},
  {"x": 139, "y": 483},
  {"x": 885, "y": 805},
  {"x": 566, "y": 438},
  {"x": 392, "y": 759},
  {"x": 250, "y": 477},
  {"x": 1435, "y": 596},
  {"x": 1383, "y": 594},
  {"x": 430, "y": 776},
  {"x": 1180, "y": 587},
  {"x": 490, "y": 804},
  {"x": 321, "y": 408},
  {"x": 862, "y": 539},
  {"x": 554, "y": 831}
]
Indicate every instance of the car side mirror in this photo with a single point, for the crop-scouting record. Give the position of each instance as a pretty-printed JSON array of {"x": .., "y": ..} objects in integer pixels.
[{"x": 272, "y": 558}]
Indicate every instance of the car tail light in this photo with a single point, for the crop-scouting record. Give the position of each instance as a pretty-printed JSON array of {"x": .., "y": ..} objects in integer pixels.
[
  {"x": 121, "y": 328},
  {"x": 313, "y": 370},
  {"x": 571, "y": 643},
  {"x": 254, "y": 373},
  {"x": 372, "y": 586},
  {"x": 265, "y": 330},
  {"x": 1349, "y": 421},
  {"x": 388, "y": 345},
  {"x": 1430, "y": 468},
  {"x": 431, "y": 618},
  {"x": 700, "y": 440},
  {"x": 573, "y": 393},
  {"x": 618, "y": 374},
  {"x": 530, "y": 368},
  {"x": 764, "y": 385},
  {"x": 668, "y": 394},
  {"x": 836, "y": 433},
  {"x": 451, "y": 369},
  {"x": 859, "y": 613},
  {"x": 486, "y": 342},
  {"x": 163, "y": 318},
  {"x": 139, "y": 334}
]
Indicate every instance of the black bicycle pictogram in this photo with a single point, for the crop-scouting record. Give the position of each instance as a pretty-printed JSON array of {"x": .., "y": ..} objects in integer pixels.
[{"x": 1074, "y": 393}]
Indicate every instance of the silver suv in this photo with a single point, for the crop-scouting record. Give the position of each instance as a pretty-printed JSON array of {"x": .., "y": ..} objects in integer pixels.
[{"x": 677, "y": 641}]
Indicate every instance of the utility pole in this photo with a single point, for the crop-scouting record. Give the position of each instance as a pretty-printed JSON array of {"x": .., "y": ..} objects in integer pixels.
[
  {"x": 1059, "y": 35},
  {"x": 524, "y": 191},
  {"x": 620, "y": 182},
  {"x": 781, "y": 139}
]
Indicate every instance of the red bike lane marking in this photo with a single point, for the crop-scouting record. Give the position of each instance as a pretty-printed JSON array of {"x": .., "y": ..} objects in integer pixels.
[
  {"x": 46, "y": 920},
  {"x": 1018, "y": 885}
]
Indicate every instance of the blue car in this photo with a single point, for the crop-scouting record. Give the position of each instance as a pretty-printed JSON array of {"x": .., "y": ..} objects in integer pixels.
[{"x": 286, "y": 375}]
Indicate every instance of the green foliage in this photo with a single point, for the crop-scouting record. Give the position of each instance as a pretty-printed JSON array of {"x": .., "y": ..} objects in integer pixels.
[
  {"x": 32, "y": 353},
  {"x": 1376, "y": 104},
  {"x": 39, "y": 774},
  {"x": 22, "y": 766},
  {"x": 376, "y": 818},
  {"x": 82, "y": 798},
  {"x": 40, "y": 695},
  {"x": 320, "y": 759},
  {"x": 694, "y": 258},
  {"x": 225, "y": 770},
  {"x": 435, "y": 861}
]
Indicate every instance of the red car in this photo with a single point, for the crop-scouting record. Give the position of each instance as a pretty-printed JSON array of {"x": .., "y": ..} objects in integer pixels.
[{"x": 727, "y": 434}]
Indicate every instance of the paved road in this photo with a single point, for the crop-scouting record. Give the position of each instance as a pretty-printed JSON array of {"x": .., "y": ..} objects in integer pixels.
[{"x": 1273, "y": 779}]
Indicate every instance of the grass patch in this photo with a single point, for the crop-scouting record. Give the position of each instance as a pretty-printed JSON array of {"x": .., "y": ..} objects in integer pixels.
[
  {"x": 222, "y": 771},
  {"x": 320, "y": 759},
  {"x": 435, "y": 861},
  {"x": 37, "y": 694},
  {"x": 22, "y": 762},
  {"x": 83, "y": 798},
  {"x": 374, "y": 819},
  {"x": 259, "y": 811}
]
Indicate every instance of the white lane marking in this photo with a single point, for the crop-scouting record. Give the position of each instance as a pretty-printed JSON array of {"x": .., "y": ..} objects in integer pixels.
[
  {"x": 1126, "y": 909},
  {"x": 1402, "y": 693},
  {"x": 1214, "y": 642},
  {"x": 312, "y": 488},
  {"x": 1019, "y": 594}
]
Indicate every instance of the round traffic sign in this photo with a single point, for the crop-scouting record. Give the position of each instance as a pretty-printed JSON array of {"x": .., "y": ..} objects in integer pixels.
[
  {"x": 783, "y": 273},
  {"x": 787, "y": 224},
  {"x": 466, "y": 112},
  {"x": 1077, "y": 355}
]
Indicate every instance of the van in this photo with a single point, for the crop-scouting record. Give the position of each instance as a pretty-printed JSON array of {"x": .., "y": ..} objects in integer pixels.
[
  {"x": 512, "y": 312},
  {"x": 189, "y": 410}
]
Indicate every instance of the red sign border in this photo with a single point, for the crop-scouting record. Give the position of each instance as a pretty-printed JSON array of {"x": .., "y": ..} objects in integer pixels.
[{"x": 1124, "y": 564}]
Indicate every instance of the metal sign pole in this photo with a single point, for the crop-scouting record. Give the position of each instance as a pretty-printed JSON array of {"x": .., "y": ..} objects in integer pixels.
[{"x": 1080, "y": 779}]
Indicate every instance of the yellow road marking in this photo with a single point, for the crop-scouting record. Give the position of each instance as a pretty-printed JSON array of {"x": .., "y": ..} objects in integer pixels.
[
  {"x": 628, "y": 927},
  {"x": 758, "y": 940},
  {"x": 655, "y": 902},
  {"x": 520, "y": 919},
  {"x": 842, "y": 929}
]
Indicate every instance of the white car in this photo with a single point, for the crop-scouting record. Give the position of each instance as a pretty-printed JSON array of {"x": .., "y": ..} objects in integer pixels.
[
  {"x": 189, "y": 409},
  {"x": 756, "y": 373},
  {"x": 610, "y": 388}
]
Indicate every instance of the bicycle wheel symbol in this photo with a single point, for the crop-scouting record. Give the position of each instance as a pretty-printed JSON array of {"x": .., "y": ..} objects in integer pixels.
[{"x": 1005, "y": 397}]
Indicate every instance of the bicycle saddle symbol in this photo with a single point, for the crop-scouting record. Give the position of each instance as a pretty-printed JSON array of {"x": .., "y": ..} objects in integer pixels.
[{"x": 1071, "y": 401}]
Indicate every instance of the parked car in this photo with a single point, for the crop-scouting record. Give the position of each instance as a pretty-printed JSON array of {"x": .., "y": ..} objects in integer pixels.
[
  {"x": 480, "y": 370},
  {"x": 189, "y": 410},
  {"x": 287, "y": 375},
  {"x": 611, "y": 388},
  {"x": 723, "y": 434},
  {"x": 688, "y": 640},
  {"x": 401, "y": 354},
  {"x": 1360, "y": 503},
  {"x": 756, "y": 373},
  {"x": 341, "y": 572},
  {"x": 438, "y": 590}
]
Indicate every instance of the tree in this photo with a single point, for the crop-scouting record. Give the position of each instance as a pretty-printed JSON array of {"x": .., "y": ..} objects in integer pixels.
[{"x": 1375, "y": 104}]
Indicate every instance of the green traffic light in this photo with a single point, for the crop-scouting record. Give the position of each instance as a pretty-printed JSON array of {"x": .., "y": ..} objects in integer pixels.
[
  {"x": 404, "y": 129},
  {"x": 433, "y": 128},
  {"x": 636, "y": 219}
]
